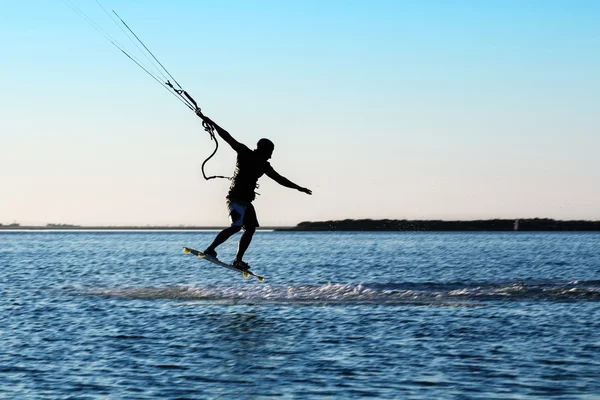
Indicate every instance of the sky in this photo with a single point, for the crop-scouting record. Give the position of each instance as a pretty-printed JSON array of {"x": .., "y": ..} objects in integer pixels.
[{"x": 384, "y": 109}]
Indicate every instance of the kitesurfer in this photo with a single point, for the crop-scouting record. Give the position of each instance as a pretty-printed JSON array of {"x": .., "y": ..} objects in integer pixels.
[{"x": 250, "y": 165}]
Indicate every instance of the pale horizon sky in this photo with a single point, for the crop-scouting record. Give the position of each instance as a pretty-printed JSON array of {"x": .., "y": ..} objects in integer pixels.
[{"x": 385, "y": 109}]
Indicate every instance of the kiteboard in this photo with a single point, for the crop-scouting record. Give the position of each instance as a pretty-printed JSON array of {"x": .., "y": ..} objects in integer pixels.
[{"x": 246, "y": 273}]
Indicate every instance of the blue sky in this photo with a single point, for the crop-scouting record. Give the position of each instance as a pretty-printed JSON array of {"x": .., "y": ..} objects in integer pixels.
[{"x": 385, "y": 109}]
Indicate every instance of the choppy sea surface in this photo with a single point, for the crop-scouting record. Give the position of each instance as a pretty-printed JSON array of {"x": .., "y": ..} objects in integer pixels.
[{"x": 127, "y": 315}]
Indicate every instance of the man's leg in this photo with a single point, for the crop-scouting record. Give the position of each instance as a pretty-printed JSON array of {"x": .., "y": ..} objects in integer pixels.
[
  {"x": 244, "y": 243},
  {"x": 222, "y": 237},
  {"x": 236, "y": 216},
  {"x": 250, "y": 225}
]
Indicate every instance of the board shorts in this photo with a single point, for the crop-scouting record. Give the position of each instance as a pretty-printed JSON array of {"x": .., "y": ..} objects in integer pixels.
[{"x": 242, "y": 214}]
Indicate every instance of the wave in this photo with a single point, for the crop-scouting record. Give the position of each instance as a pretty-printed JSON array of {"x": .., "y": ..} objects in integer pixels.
[{"x": 457, "y": 293}]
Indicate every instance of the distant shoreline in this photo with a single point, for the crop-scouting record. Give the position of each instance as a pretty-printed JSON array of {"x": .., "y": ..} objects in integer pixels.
[
  {"x": 490, "y": 225},
  {"x": 362, "y": 225}
]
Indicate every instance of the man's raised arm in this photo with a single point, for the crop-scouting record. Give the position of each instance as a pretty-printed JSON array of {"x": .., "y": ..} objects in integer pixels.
[
  {"x": 283, "y": 181},
  {"x": 222, "y": 132}
]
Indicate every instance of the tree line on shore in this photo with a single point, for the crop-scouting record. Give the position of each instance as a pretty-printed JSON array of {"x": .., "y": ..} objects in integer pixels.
[
  {"x": 387, "y": 225},
  {"x": 532, "y": 224}
]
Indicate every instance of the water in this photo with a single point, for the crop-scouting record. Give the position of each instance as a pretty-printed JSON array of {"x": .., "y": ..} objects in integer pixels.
[{"x": 340, "y": 315}]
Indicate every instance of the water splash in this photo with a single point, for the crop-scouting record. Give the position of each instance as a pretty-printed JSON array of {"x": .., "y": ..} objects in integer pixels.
[{"x": 366, "y": 293}]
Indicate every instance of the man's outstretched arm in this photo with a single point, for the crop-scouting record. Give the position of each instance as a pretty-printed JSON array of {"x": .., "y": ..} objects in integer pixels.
[
  {"x": 222, "y": 132},
  {"x": 283, "y": 181}
]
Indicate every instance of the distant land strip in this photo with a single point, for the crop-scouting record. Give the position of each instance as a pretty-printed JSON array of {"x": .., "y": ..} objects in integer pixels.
[
  {"x": 490, "y": 225},
  {"x": 366, "y": 225}
]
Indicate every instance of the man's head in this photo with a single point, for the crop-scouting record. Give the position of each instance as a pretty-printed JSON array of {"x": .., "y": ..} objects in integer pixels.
[{"x": 265, "y": 148}]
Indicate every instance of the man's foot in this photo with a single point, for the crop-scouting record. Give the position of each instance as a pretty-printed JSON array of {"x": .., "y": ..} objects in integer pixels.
[
  {"x": 210, "y": 252},
  {"x": 240, "y": 264}
]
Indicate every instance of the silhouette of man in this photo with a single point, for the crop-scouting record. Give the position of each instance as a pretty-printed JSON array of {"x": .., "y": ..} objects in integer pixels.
[{"x": 250, "y": 165}]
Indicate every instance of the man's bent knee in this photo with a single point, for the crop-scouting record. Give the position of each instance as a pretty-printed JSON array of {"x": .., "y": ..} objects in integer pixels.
[{"x": 234, "y": 228}]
